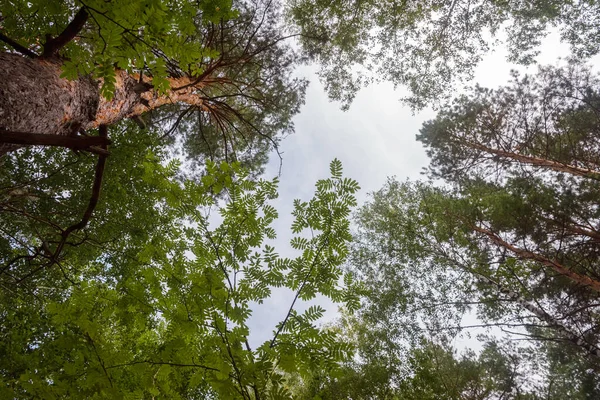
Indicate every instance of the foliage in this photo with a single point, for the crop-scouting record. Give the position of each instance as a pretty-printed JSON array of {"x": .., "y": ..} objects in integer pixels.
[
  {"x": 249, "y": 99},
  {"x": 429, "y": 46},
  {"x": 150, "y": 299},
  {"x": 426, "y": 46},
  {"x": 133, "y": 35},
  {"x": 426, "y": 270},
  {"x": 428, "y": 370},
  {"x": 234, "y": 54},
  {"x": 526, "y": 167},
  {"x": 510, "y": 238},
  {"x": 545, "y": 121}
]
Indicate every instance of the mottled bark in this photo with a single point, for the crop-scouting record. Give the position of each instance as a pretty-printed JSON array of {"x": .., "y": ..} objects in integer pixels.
[{"x": 35, "y": 99}]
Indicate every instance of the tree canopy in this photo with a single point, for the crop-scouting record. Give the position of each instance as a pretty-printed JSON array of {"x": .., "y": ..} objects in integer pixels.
[
  {"x": 509, "y": 238},
  {"x": 156, "y": 302},
  {"x": 430, "y": 47},
  {"x": 136, "y": 230},
  {"x": 215, "y": 78}
]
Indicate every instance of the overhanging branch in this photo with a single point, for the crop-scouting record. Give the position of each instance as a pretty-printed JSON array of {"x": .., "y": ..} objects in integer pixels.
[
  {"x": 93, "y": 201},
  {"x": 18, "y": 47},
  {"x": 53, "y": 45},
  {"x": 93, "y": 144},
  {"x": 95, "y": 190}
]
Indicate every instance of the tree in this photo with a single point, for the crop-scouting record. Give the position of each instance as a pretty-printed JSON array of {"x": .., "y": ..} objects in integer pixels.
[
  {"x": 423, "y": 45},
  {"x": 440, "y": 373},
  {"x": 102, "y": 62},
  {"x": 510, "y": 235},
  {"x": 428, "y": 370},
  {"x": 430, "y": 46},
  {"x": 138, "y": 316},
  {"x": 544, "y": 122},
  {"x": 220, "y": 89},
  {"x": 536, "y": 212},
  {"x": 426, "y": 269}
]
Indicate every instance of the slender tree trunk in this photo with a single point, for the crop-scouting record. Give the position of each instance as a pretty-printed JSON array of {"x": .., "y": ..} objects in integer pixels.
[
  {"x": 541, "y": 162},
  {"x": 34, "y": 98},
  {"x": 528, "y": 255}
]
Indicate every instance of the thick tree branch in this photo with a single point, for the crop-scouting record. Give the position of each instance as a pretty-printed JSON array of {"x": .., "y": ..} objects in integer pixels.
[
  {"x": 93, "y": 144},
  {"x": 18, "y": 47},
  {"x": 540, "y": 162},
  {"x": 95, "y": 190},
  {"x": 97, "y": 185},
  {"x": 52, "y": 46}
]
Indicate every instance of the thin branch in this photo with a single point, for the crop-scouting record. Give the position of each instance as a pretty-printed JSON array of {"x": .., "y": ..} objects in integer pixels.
[
  {"x": 305, "y": 281},
  {"x": 177, "y": 122},
  {"x": 18, "y": 47},
  {"x": 89, "y": 338},
  {"x": 97, "y": 185},
  {"x": 163, "y": 363}
]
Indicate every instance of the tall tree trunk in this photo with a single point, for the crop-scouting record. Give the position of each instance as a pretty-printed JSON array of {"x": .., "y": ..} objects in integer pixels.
[
  {"x": 35, "y": 99},
  {"x": 524, "y": 254},
  {"x": 537, "y": 161}
]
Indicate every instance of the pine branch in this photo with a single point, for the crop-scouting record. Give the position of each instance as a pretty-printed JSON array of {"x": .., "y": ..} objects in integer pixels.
[{"x": 528, "y": 255}]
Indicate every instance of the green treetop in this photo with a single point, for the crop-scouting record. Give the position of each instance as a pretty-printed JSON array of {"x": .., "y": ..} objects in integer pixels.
[{"x": 156, "y": 302}]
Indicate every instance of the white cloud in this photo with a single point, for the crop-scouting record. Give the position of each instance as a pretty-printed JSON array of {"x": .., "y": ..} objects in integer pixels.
[{"x": 374, "y": 139}]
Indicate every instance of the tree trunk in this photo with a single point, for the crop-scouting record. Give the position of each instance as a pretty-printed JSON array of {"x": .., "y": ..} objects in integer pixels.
[
  {"x": 582, "y": 280},
  {"x": 541, "y": 162},
  {"x": 35, "y": 99}
]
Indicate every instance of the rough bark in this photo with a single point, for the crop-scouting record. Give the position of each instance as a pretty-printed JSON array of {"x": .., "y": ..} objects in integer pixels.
[{"x": 35, "y": 99}]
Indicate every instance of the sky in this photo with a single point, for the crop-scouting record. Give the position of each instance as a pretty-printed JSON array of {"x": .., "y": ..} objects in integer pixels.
[{"x": 374, "y": 139}]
